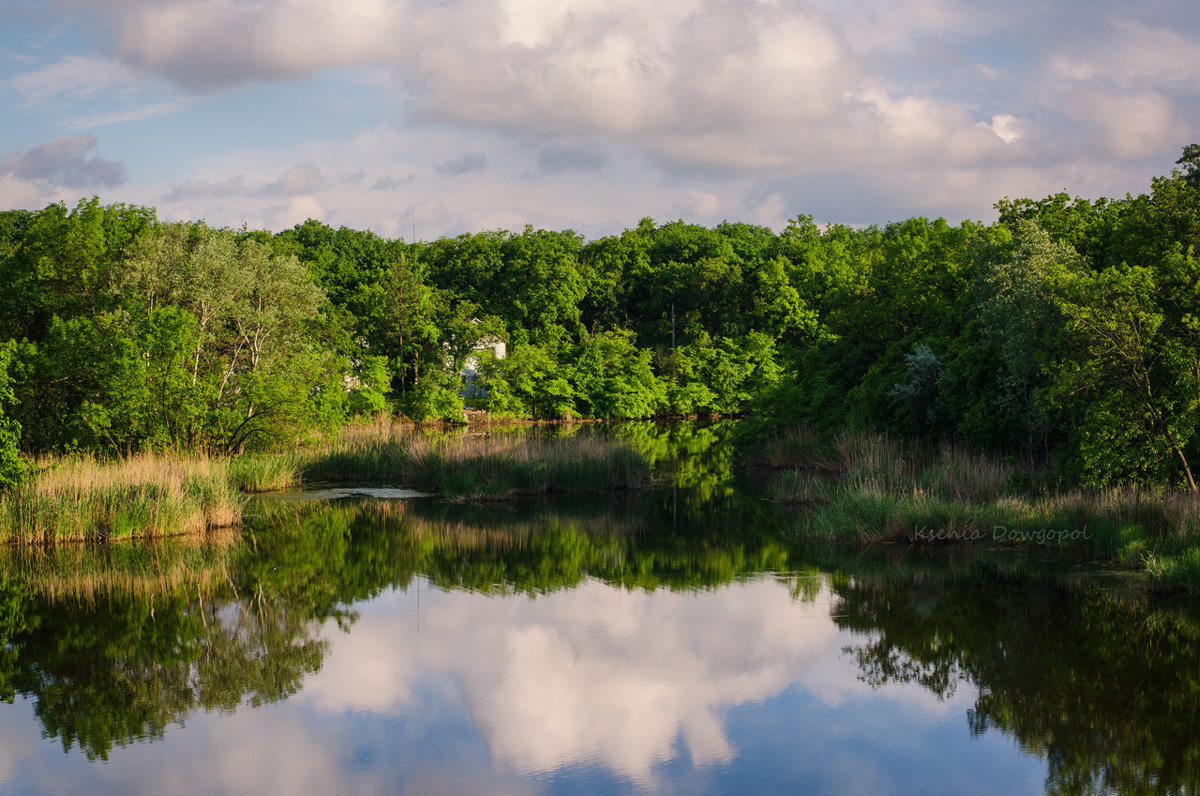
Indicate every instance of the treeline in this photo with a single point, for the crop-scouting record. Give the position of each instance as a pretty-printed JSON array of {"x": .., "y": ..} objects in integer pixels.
[{"x": 1065, "y": 335}]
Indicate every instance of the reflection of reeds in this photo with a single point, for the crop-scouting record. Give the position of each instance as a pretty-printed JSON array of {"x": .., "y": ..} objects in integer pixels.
[
  {"x": 147, "y": 495},
  {"x": 465, "y": 525},
  {"x": 194, "y": 564}
]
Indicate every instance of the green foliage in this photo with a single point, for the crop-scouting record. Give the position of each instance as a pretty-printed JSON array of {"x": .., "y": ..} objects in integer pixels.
[
  {"x": 172, "y": 335},
  {"x": 436, "y": 396},
  {"x": 613, "y": 378},
  {"x": 1190, "y": 160},
  {"x": 528, "y": 382},
  {"x": 369, "y": 387},
  {"x": 133, "y": 334},
  {"x": 12, "y": 466},
  {"x": 1133, "y": 379}
]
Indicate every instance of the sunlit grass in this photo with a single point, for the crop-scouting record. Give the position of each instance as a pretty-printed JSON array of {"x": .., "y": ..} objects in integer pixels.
[
  {"x": 153, "y": 495},
  {"x": 142, "y": 496}
]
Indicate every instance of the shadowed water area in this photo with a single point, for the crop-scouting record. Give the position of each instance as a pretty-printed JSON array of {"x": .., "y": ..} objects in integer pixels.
[{"x": 679, "y": 639}]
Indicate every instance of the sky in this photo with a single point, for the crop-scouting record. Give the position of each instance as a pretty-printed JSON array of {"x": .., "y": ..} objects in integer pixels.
[
  {"x": 597, "y": 689},
  {"x": 424, "y": 118}
]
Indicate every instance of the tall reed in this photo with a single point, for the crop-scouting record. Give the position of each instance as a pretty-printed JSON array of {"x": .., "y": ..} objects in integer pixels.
[
  {"x": 483, "y": 466},
  {"x": 871, "y": 487},
  {"x": 140, "y": 496}
]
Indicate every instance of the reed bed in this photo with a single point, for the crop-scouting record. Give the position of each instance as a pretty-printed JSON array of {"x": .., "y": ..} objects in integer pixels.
[
  {"x": 265, "y": 472},
  {"x": 872, "y": 488},
  {"x": 480, "y": 467},
  {"x": 143, "y": 496},
  {"x": 153, "y": 495}
]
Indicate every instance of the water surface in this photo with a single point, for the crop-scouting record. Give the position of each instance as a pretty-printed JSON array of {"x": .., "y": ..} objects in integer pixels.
[{"x": 680, "y": 640}]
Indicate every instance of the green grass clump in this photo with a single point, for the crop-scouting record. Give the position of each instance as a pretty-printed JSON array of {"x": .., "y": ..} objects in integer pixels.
[
  {"x": 870, "y": 488},
  {"x": 265, "y": 472}
]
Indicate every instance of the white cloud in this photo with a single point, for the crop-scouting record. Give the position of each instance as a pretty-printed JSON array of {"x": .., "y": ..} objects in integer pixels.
[
  {"x": 64, "y": 162},
  {"x": 303, "y": 178},
  {"x": 1008, "y": 128},
  {"x": 1128, "y": 56},
  {"x": 598, "y": 674},
  {"x": 702, "y": 203},
  {"x": 592, "y": 114},
  {"x": 297, "y": 210},
  {"x": 209, "y": 45},
  {"x": 73, "y": 77},
  {"x": 133, "y": 115},
  {"x": 706, "y": 83},
  {"x": 1127, "y": 125}
]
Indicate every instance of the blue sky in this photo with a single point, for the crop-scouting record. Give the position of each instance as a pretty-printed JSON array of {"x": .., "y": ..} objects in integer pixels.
[{"x": 450, "y": 116}]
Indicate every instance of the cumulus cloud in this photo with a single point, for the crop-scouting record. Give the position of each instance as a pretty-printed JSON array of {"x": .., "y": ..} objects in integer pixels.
[
  {"x": 472, "y": 161},
  {"x": 554, "y": 158},
  {"x": 821, "y": 104},
  {"x": 711, "y": 83},
  {"x": 1132, "y": 84},
  {"x": 299, "y": 180},
  {"x": 210, "y": 45},
  {"x": 297, "y": 210},
  {"x": 391, "y": 183},
  {"x": 1128, "y": 55},
  {"x": 65, "y": 161},
  {"x": 1008, "y": 128},
  {"x": 203, "y": 189}
]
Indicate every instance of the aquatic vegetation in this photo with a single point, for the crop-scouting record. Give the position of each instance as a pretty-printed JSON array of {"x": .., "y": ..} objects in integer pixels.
[
  {"x": 142, "y": 496},
  {"x": 154, "y": 495},
  {"x": 483, "y": 466},
  {"x": 873, "y": 488}
]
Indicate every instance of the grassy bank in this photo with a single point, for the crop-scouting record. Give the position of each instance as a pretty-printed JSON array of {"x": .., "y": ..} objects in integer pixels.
[
  {"x": 151, "y": 495},
  {"x": 871, "y": 488},
  {"x": 143, "y": 496}
]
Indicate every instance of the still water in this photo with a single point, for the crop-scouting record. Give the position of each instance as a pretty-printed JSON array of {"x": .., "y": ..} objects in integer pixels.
[{"x": 680, "y": 640}]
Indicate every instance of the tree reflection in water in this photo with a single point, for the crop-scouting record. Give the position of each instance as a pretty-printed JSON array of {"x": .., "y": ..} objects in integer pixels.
[{"x": 1105, "y": 688}]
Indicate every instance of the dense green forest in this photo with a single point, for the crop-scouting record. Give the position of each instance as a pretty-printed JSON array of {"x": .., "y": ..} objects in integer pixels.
[{"x": 1066, "y": 335}]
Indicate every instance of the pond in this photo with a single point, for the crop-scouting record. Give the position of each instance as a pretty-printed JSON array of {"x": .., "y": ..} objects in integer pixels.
[{"x": 681, "y": 639}]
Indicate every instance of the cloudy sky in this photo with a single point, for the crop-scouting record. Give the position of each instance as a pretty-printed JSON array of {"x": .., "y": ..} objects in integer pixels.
[
  {"x": 446, "y": 116},
  {"x": 597, "y": 688}
]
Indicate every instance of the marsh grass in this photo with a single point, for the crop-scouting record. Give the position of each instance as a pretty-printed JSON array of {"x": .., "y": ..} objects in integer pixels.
[
  {"x": 873, "y": 488},
  {"x": 264, "y": 472},
  {"x": 153, "y": 495},
  {"x": 481, "y": 467},
  {"x": 143, "y": 496}
]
